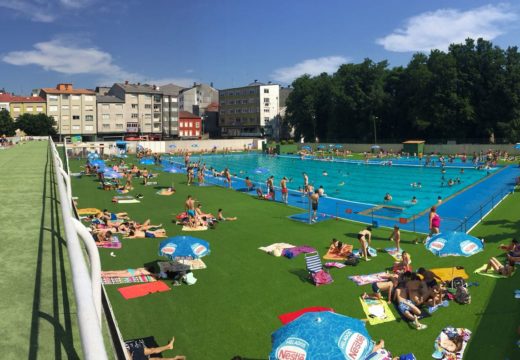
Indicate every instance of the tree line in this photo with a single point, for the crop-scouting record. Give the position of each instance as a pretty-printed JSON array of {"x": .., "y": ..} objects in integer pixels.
[
  {"x": 472, "y": 91},
  {"x": 30, "y": 124}
]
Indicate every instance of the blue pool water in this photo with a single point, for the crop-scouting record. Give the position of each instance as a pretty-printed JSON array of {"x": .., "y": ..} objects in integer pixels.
[{"x": 353, "y": 181}]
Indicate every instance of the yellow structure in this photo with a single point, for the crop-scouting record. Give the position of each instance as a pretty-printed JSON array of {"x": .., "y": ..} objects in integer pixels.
[{"x": 20, "y": 105}]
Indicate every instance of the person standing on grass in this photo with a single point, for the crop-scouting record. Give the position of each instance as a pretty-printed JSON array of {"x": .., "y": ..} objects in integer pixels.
[
  {"x": 314, "y": 199},
  {"x": 365, "y": 238},
  {"x": 396, "y": 237},
  {"x": 285, "y": 191}
]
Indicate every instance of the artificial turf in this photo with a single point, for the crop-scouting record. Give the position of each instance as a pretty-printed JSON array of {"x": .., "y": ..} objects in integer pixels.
[{"x": 233, "y": 308}]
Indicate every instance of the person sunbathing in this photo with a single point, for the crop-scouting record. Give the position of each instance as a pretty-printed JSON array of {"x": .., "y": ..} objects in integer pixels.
[
  {"x": 405, "y": 264},
  {"x": 139, "y": 234},
  {"x": 102, "y": 237},
  {"x": 380, "y": 286},
  {"x": 220, "y": 217},
  {"x": 204, "y": 216},
  {"x": 339, "y": 248},
  {"x": 505, "y": 270},
  {"x": 107, "y": 215},
  {"x": 409, "y": 310},
  {"x": 167, "y": 191}
]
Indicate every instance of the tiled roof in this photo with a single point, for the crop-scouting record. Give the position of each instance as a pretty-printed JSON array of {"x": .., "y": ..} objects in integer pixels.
[
  {"x": 187, "y": 115},
  {"x": 71, "y": 91},
  {"x": 24, "y": 99},
  {"x": 6, "y": 97},
  {"x": 139, "y": 88}
]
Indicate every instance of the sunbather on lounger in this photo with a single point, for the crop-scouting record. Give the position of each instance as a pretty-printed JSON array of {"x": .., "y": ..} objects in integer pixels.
[
  {"x": 505, "y": 270},
  {"x": 144, "y": 352}
]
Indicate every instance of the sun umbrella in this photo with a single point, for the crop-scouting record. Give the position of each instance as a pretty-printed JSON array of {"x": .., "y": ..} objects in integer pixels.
[
  {"x": 113, "y": 175},
  {"x": 306, "y": 147},
  {"x": 321, "y": 335},
  {"x": 147, "y": 161},
  {"x": 454, "y": 243},
  {"x": 184, "y": 247},
  {"x": 375, "y": 147},
  {"x": 517, "y": 146}
]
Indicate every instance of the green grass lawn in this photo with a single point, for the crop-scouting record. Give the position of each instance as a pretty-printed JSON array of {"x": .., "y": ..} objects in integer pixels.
[{"x": 233, "y": 308}]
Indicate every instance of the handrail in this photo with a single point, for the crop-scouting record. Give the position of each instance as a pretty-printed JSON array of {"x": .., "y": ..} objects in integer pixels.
[{"x": 88, "y": 301}]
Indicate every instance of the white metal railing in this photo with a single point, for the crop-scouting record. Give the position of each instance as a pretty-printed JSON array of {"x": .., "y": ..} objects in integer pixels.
[{"x": 87, "y": 287}]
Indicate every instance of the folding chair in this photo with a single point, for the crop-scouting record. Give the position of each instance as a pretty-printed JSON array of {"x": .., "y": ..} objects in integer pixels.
[{"x": 315, "y": 268}]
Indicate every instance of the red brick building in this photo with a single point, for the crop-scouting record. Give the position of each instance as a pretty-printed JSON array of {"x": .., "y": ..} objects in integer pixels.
[{"x": 190, "y": 125}]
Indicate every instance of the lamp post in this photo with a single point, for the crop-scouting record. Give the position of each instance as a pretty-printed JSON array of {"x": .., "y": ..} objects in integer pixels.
[{"x": 374, "y": 118}]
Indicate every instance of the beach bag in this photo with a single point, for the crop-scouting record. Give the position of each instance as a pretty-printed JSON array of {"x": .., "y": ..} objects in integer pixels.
[
  {"x": 321, "y": 278},
  {"x": 352, "y": 260},
  {"x": 462, "y": 295}
]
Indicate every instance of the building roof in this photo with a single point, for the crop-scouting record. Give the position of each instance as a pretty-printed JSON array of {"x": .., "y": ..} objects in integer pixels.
[
  {"x": 68, "y": 91},
  {"x": 187, "y": 115},
  {"x": 139, "y": 88},
  {"x": 212, "y": 107},
  {"x": 171, "y": 89},
  {"x": 109, "y": 99},
  {"x": 14, "y": 98}
]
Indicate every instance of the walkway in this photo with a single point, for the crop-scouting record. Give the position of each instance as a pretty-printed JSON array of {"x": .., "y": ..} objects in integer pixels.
[{"x": 37, "y": 310}]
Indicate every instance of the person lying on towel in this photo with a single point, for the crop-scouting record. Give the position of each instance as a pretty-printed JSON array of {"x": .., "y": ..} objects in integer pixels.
[
  {"x": 337, "y": 247},
  {"x": 138, "y": 234}
]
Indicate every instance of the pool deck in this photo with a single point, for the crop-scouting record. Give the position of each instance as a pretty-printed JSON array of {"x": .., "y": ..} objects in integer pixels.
[{"x": 472, "y": 203}]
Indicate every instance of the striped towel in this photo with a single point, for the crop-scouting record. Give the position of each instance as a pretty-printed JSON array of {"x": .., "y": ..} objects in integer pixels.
[{"x": 127, "y": 280}]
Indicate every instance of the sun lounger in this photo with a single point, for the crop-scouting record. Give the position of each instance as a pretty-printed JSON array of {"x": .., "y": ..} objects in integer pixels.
[{"x": 318, "y": 275}]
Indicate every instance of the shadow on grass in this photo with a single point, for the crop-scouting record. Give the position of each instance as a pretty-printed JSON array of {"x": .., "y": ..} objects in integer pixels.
[{"x": 63, "y": 337}]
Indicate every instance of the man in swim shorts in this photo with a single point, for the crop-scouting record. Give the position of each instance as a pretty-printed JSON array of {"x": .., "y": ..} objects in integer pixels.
[
  {"x": 285, "y": 191},
  {"x": 314, "y": 198}
]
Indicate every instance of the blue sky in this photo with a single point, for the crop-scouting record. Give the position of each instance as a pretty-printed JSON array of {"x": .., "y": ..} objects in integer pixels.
[{"x": 227, "y": 42}]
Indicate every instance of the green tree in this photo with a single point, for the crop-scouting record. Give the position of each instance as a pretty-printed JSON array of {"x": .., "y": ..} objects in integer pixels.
[
  {"x": 6, "y": 123},
  {"x": 300, "y": 108},
  {"x": 36, "y": 125}
]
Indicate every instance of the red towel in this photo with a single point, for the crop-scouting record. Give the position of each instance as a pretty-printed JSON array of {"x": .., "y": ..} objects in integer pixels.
[
  {"x": 134, "y": 291},
  {"x": 287, "y": 318}
]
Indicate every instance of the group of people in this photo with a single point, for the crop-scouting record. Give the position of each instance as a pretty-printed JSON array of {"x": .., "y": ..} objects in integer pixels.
[
  {"x": 105, "y": 224},
  {"x": 194, "y": 217}
]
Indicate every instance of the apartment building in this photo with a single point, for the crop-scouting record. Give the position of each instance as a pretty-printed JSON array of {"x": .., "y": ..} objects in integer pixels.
[
  {"x": 190, "y": 125},
  {"x": 110, "y": 116},
  {"x": 170, "y": 111},
  {"x": 20, "y": 105},
  {"x": 249, "y": 110},
  {"x": 74, "y": 110},
  {"x": 197, "y": 98},
  {"x": 5, "y": 99},
  {"x": 142, "y": 107}
]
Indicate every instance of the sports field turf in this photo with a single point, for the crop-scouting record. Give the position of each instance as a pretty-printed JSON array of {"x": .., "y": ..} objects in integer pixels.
[{"x": 233, "y": 308}]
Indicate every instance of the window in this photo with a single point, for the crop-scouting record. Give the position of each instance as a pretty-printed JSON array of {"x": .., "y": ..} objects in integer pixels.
[
  {"x": 266, "y": 119},
  {"x": 75, "y": 127},
  {"x": 266, "y": 100},
  {"x": 157, "y": 98},
  {"x": 65, "y": 107},
  {"x": 89, "y": 117},
  {"x": 134, "y": 116},
  {"x": 89, "y": 127},
  {"x": 175, "y": 128},
  {"x": 147, "y": 106},
  {"x": 65, "y": 118},
  {"x": 75, "y": 97},
  {"x": 266, "y": 91},
  {"x": 147, "y": 116},
  {"x": 106, "y": 126},
  {"x": 157, "y": 125},
  {"x": 105, "y": 117},
  {"x": 197, "y": 133},
  {"x": 65, "y": 97},
  {"x": 197, "y": 124},
  {"x": 53, "y": 108},
  {"x": 266, "y": 110},
  {"x": 156, "y": 107},
  {"x": 156, "y": 116},
  {"x": 75, "y": 107},
  {"x": 106, "y": 107},
  {"x": 89, "y": 98},
  {"x": 65, "y": 127},
  {"x": 75, "y": 117},
  {"x": 52, "y": 97},
  {"x": 119, "y": 126},
  {"x": 146, "y": 97},
  {"x": 166, "y": 99},
  {"x": 89, "y": 107},
  {"x": 29, "y": 108},
  {"x": 174, "y": 100},
  {"x": 134, "y": 106},
  {"x": 39, "y": 108},
  {"x": 16, "y": 109}
]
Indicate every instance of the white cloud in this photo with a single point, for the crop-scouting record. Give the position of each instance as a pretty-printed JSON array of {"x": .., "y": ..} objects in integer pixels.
[
  {"x": 312, "y": 67},
  {"x": 440, "y": 28},
  {"x": 35, "y": 11},
  {"x": 62, "y": 56},
  {"x": 76, "y": 4}
]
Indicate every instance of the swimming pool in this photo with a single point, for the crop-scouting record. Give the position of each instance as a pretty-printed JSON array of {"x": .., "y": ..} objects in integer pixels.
[{"x": 353, "y": 180}]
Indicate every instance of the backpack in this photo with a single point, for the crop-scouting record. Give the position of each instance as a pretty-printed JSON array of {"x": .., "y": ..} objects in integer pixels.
[
  {"x": 462, "y": 295},
  {"x": 352, "y": 260}
]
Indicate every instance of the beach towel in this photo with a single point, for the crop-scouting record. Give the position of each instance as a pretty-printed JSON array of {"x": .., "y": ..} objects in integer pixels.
[
  {"x": 110, "y": 280},
  {"x": 297, "y": 250},
  {"x": 88, "y": 211},
  {"x": 448, "y": 274},
  {"x": 491, "y": 273},
  {"x": 127, "y": 201},
  {"x": 198, "y": 228},
  {"x": 276, "y": 248},
  {"x": 347, "y": 249},
  {"x": 377, "y": 311},
  {"x": 335, "y": 264},
  {"x": 126, "y": 273},
  {"x": 109, "y": 244},
  {"x": 287, "y": 318},
  {"x": 181, "y": 265},
  {"x": 369, "y": 279},
  {"x": 445, "y": 341},
  {"x": 135, "y": 291},
  {"x": 393, "y": 253}
]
